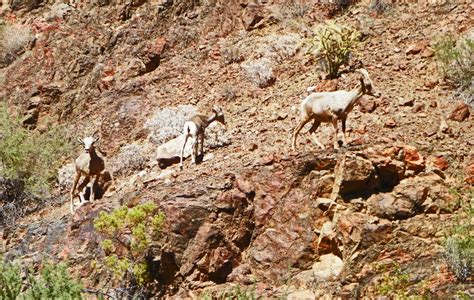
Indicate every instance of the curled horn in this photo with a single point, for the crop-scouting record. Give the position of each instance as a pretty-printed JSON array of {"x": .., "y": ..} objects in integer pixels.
[
  {"x": 95, "y": 135},
  {"x": 364, "y": 73}
]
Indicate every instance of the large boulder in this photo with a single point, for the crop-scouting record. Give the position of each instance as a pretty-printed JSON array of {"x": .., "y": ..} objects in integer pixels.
[{"x": 169, "y": 152}]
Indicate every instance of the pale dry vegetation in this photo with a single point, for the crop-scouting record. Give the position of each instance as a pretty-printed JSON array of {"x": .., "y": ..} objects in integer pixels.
[
  {"x": 13, "y": 42},
  {"x": 167, "y": 123},
  {"x": 259, "y": 72}
]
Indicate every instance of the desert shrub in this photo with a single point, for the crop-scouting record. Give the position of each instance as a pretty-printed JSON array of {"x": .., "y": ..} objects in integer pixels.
[
  {"x": 231, "y": 53},
  {"x": 456, "y": 62},
  {"x": 52, "y": 282},
  {"x": 235, "y": 292},
  {"x": 379, "y": 6},
  {"x": 279, "y": 47},
  {"x": 31, "y": 157},
  {"x": 295, "y": 8},
  {"x": 13, "y": 40},
  {"x": 10, "y": 280},
  {"x": 167, "y": 123},
  {"x": 459, "y": 242},
  {"x": 333, "y": 45},
  {"x": 128, "y": 236},
  {"x": 394, "y": 284},
  {"x": 259, "y": 72},
  {"x": 130, "y": 158},
  {"x": 229, "y": 92},
  {"x": 459, "y": 255}
]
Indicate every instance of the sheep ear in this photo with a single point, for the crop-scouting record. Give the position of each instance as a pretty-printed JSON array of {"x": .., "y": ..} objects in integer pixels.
[
  {"x": 215, "y": 109},
  {"x": 96, "y": 139},
  {"x": 79, "y": 140}
]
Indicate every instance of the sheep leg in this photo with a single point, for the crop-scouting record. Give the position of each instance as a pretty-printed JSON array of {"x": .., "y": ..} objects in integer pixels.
[
  {"x": 95, "y": 179},
  {"x": 343, "y": 121},
  {"x": 297, "y": 130},
  {"x": 201, "y": 142},
  {"x": 334, "y": 124},
  {"x": 82, "y": 189},
  {"x": 312, "y": 131},
  {"x": 194, "y": 148},
  {"x": 182, "y": 151},
  {"x": 77, "y": 176}
]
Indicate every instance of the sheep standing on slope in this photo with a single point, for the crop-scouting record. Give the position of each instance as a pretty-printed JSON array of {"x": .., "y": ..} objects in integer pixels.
[
  {"x": 329, "y": 107},
  {"x": 89, "y": 164},
  {"x": 195, "y": 127}
]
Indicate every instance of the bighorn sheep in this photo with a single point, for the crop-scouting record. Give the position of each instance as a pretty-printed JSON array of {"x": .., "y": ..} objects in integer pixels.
[
  {"x": 329, "y": 107},
  {"x": 89, "y": 164},
  {"x": 195, "y": 127}
]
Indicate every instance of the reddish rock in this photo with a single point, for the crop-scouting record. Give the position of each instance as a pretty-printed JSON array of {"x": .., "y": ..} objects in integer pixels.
[
  {"x": 460, "y": 112},
  {"x": 244, "y": 185},
  {"x": 404, "y": 202},
  {"x": 390, "y": 123},
  {"x": 438, "y": 162},
  {"x": 415, "y": 48},
  {"x": 252, "y": 16},
  {"x": 406, "y": 102},
  {"x": 418, "y": 107},
  {"x": 367, "y": 105},
  {"x": 469, "y": 173},
  {"x": 327, "y": 85},
  {"x": 358, "y": 177},
  {"x": 360, "y": 228},
  {"x": 413, "y": 160},
  {"x": 427, "y": 52},
  {"x": 157, "y": 46}
]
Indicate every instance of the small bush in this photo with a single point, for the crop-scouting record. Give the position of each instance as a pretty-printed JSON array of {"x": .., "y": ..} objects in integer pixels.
[
  {"x": 279, "y": 47},
  {"x": 231, "y": 53},
  {"x": 52, "y": 282},
  {"x": 13, "y": 40},
  {"x": 379, "y": 6},
  {"x": 128, "y": 236},
  {"x": 31, "y": 157},
  {"x": 10, "y": 280},
  {"x": 259, "y": 72},
  {"x": 394, "y": 283},
  {"x": 334, "y": 45},
  {"x": 228, "y": 92},
  {"x": 456, "y": 57},
  {"x": 167, "y": 123},
  {"x": 130, "y": 158},
  {"x": 295, "y": 8},
  {"x": 459, "y": 255},
  {"x": 235, "y": 292}
]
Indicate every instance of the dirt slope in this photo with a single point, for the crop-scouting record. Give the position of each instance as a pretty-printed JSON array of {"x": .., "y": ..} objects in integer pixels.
[{"x": 250, "y": 213}]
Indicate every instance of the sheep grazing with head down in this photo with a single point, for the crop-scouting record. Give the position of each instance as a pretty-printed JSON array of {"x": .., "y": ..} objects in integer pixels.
[
  {"x": 329, "y": 107},
  {"x": 89, "y": 164}
]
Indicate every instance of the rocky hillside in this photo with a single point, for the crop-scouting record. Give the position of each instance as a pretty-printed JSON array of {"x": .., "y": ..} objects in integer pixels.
[{"x": 253, "y": 218}]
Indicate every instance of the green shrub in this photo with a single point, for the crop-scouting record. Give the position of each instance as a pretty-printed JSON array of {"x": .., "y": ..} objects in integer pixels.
[
  {"x": 456, "y": 62},
  {"x": 459, "y": 243},
  {"x": 52, "y": 282},
  {"x": 236, "y": 292},
  {"x": 394, "y": 283},
  {"x": 29, "y": 156},
  {"x": 334, "y": 45},
  {"x": 138, "y": 226},
  {"x": 10, "y": 281}
]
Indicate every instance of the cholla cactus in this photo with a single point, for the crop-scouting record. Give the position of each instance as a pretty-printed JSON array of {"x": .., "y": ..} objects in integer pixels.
[{"x": 334, "y": 44}]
